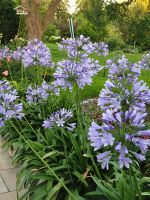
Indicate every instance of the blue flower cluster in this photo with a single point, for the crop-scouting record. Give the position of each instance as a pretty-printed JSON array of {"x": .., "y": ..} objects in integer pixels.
[
  {"x": 69, "y": 72},
  {"x": 82, "y": 47},
  {"x": 123, "y": 104},
  {"x": 9, "y": 106},
  {"x": 60, "y": 119},
  {"x": 38, "y": 93},
  {"x": 79, "y": 68},
  {"x": 17, "y": 54},
  {"x": 123, "y": 70},
  {"x": 36, "y": 53},
  {"x": 5, "y": 53},
  {"x": 145, "y": 62}
]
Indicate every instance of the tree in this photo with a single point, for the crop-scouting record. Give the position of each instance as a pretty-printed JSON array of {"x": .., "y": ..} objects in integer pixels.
[
  {"x": 139, "y": 30},
  {"x": 62, "y": 17},
  {"x": 138, "y": 8},
  {"x": 60, "y": 26},
  {"x": 8, "y": 20},
  {"x": 117, "y": 11},
  {"x": 36, "y": 22},
  {"x": 95, "y": 15},
  {"x": 138, "y": 23},
  {"x": 143, "y": 32}
]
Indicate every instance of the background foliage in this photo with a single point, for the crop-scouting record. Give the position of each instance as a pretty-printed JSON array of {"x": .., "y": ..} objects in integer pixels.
[
  {"x": 8, "y": 20},
  {"x": 97, "y": 19}
]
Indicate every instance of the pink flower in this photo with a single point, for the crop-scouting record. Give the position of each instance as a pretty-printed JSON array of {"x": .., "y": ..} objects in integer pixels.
[{"x": 5, "y": 73}]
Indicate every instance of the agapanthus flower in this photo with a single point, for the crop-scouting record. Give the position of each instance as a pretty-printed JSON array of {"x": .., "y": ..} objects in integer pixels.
[
  {"x": 9, "y": 105},
  {"x": 140, "y": 95},
  {"x": 38, "y": 93},
  {"x": 101, "y": 138},
  {"x": 60, "y": 119},
  {"x": 122, "y": 69},
  {"x": 123, "y": 89},
  {"x": 139, "y": 156},
  {"x": 79, "y": 68},
  {"x": 124, "y": 161},
  {"x": 82, "y": 47},
  {"x": 5, "y": 54},
  {"x": 133, "y": 118},
  {"x": 108, "y": 98},
  {"x": 81, "y": 73},
  {"x": 144, "y": 133},
  {"x": 145, "y": 62},
  {"x": 36, "y": 53},
  {"x": 123, "y": 104},
  {"x": 75, "y": 46},
  {"x": 51, "y": 88},
  {"x": 143, "y": 144},
  {"x": 115, "y": 96},
  {"x": 104, "y": 158},
  {"x": 97, "y": 137},
  {"x": 101, "y": 49},
  {"x": 17, "y": 54}
]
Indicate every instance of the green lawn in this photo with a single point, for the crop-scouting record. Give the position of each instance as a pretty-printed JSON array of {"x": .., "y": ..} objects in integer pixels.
[{"x": 99, "y": 79}]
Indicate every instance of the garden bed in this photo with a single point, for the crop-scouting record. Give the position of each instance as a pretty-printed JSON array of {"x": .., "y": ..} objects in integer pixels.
[{"x": 70, "y": 148}]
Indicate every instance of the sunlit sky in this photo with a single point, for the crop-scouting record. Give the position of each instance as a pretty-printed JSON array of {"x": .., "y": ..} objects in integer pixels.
[{"x": 72, "y": 5}]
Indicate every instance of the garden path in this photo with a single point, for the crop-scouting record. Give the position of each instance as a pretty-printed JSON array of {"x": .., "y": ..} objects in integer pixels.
[{"x": 7, "y": 176}]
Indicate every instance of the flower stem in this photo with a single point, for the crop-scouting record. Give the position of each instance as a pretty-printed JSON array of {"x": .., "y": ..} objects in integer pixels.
[
  {"x": 11, "y": 77},
  {"x": 65, "y": 152},
  {"x": 79, "y": 115}
]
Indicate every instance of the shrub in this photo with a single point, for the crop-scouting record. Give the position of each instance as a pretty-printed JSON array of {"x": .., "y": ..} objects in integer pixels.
[
  {"x": 82, "y": 29},
  {"x": 16, "y": 42},
  {"x": 114, "y": 38},
  {"x": 51, "y": 30},
  {"x": 8, "y": 20},
  {"x": 54, "y": 39},
  {"x": 143, "y": 32}
]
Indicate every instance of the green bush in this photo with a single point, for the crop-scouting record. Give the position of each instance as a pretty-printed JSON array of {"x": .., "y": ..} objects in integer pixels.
[
  {"x": 83, "y": 30},
  {"x": 139, "y": 31},
  {"x": 16, "y": 42},
  {"x": 143, "y": 32},
  {"x": 54, "y": 39},
  {"x": 8, "y": 20},
  {"x": 51, "y": 30},
  {"x": 114, "y": 38}
]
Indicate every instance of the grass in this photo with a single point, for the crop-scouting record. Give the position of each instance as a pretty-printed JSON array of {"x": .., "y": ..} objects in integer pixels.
[{"x": 99, "y": 79}]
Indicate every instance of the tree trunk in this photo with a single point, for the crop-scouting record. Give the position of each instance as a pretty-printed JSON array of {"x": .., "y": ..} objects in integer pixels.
[{"x": 36, "y": 26}]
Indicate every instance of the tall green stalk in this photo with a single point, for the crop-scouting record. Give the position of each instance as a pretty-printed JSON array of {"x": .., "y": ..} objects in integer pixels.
[
  {"x": 11, "y": 77},
  {"x": 79, "y": 116},
  {"x": 65, "y": 151}
]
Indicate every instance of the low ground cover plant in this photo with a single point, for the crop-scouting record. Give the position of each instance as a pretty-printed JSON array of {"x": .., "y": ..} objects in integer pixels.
[{"x": 61, "y": 153}]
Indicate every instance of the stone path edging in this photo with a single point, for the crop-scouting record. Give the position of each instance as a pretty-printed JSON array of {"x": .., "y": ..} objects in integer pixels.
[{"x": 7, "y": 176}]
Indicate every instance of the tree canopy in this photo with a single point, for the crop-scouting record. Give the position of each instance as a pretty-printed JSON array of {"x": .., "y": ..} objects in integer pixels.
[{"x": 8, "y": 20}]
